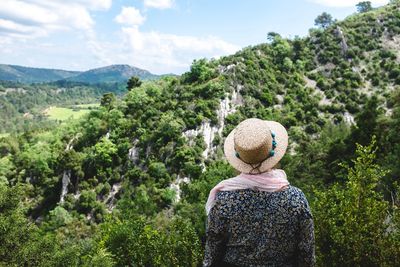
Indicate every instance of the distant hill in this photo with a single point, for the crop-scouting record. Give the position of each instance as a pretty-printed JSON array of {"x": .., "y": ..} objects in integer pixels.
[
  {"x": 31, "y": 75},
  {"x": 113, "y": 73}
]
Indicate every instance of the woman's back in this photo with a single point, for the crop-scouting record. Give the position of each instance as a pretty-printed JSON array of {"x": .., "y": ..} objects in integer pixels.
[{"x": 257, "y": 228}]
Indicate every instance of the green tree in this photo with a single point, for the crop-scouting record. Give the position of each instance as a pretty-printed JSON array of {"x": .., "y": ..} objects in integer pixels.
[
  {"x": 105, "y": 152},
  {"x": 272, "y": 35},
  {"x": 59, "y": 217},
  {"x": 355, "y": 226},
  {"x": 324, "y": 20},
  {"x": 133, "y": 82},
  {"x": 282, "y": 50},
  {"x": 135, "y": 242},
  {"x": 367, "y": 122},
  {"x": 6, "y": 169},
  {"x": 364, "y": 6},
  {"x": 87, "y": 201},
  {"x": 200, "y": 71},
  {"x": 108, "y": 101},
  {"x": 22, "y": 244}
]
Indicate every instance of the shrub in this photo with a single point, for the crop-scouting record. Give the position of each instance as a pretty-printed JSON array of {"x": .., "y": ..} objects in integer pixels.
[
  {"x": 135, "y": 242},
  {"x": 354, "y": 225}
]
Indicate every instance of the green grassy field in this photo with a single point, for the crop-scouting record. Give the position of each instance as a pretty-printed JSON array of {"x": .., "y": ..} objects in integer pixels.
[
  {"x": 93, "y": 105},
  {"x": 62, "y": 114},
  {"x": 4, "y": 135}
]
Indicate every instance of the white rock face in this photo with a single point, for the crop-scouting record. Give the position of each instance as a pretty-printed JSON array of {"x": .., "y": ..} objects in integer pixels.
[
  {"x": 208, "y": 132},
  {"x": 110, "y": 200},
  {"x": 224, "y": 69},
  {"x": 343, "y": 42},
  {"x": 280, "y": 98},
  {"x": 190, "y": 135},
  {"x": 310, "y": 83},
  {"x": 133, "y": 153},
  {"x": 65, "y": 181},
  {"x": 348, "y": 118},
  {"x": 227, "y": 106},
  {"x": 176, "y": 186},
  {"x": 66, "y": 178}
]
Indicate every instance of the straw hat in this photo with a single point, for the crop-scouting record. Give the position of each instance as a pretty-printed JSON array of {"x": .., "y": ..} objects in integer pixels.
[{"x": 255, "y": 145}]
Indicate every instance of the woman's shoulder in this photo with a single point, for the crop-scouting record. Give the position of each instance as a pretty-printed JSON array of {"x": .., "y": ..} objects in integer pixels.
[
  {"x": 291, "y": 194},
  {"x": 297, "y": 194},
  {"x": 289, "y": 190},
  {"x": 296, "y": 191},
  {"x": 292, "y": 200}
]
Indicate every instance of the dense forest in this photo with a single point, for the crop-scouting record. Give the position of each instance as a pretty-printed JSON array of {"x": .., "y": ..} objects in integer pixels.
[{"x": 127, "y": 184}]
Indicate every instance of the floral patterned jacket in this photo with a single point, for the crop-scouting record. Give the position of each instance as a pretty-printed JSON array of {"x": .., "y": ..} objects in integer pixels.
[{"x": 257, "y": 228}]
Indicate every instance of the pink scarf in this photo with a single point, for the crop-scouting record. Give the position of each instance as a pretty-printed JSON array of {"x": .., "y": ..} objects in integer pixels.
[{"x": 270, "y": 181}]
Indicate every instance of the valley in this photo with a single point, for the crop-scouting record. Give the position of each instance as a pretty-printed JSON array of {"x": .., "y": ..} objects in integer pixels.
[{"x": 72, "y": 112}]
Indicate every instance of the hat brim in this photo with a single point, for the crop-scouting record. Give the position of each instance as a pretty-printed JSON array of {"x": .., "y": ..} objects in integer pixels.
[{"x": 281, "y": 137}]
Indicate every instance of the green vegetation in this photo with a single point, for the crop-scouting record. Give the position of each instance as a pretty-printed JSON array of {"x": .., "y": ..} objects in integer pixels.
[
  {"x": 324, "y": 20},
  {"x": 364, "y": 6},
  {"x": 362, "y": 228},
  {"x": 62, "y": 114},
  {"x": 102, "y": 191},
  {"x": 26, "y": 74},
  {"x": 87, "y": 106},
  {"x": 22, "y": 104},
  {"x": 133, "y": 82},
  {"x": 113, "y": 74}
]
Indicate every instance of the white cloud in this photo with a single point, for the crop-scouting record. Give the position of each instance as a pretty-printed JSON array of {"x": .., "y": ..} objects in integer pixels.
[
  {"x": 160, "y": 4},
  {"x": 94, "y": 4},
  {"x": 347, "y": 3},
  {"x": 23, "y": 21},
  {"x": 90, "y": 4},
  {"x": 12, "y": 27},
  {"x": 130, "y": 16},
  {"x": 155, "y": 51},
  {"x": 27, "y": 19},
  {"x": 161, "y": 53}
]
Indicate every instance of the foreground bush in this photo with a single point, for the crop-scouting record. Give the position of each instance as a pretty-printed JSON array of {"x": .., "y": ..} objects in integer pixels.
[{"x": 355, "y": 226}]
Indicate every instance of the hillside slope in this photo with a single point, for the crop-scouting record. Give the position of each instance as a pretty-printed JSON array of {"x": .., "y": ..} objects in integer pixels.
[
  {"x": 112, "y": 73},
  {"x": 30, "y": 75}
]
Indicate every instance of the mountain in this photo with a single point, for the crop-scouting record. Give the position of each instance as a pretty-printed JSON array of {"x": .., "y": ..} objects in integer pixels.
[
  {"x": 33, "y": 75},
  {"x": 113, "y": 73},
  {"x": 128, "y": 183}
]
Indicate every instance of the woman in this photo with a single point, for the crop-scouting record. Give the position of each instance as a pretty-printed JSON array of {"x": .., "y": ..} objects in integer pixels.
[{"x": 257, "y": 218}]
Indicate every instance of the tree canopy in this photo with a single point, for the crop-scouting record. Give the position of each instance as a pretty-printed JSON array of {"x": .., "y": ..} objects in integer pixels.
[
  {"x": 364, "y": 6},
  {"x": 324, "y": 20}
]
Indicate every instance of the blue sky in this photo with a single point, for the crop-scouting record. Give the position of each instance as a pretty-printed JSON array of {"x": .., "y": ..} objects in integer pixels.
[{"x": 162, "y": 36}]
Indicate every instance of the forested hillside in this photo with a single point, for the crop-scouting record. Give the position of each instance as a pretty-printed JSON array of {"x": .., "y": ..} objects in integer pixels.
[
  {"x": 112, "y": 73},
  {"x": 22, "y": 105},
  {"x": 26, "y": 74},
  {"x": 127, "y": 184}
]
